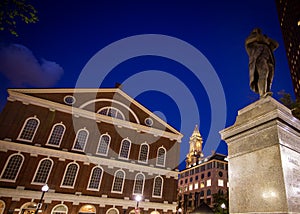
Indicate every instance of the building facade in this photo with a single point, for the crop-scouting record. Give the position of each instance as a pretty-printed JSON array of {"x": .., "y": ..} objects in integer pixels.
[
  {"x": 96, "y": 149},
  {"x": 289, "y": 18},
  {"x": 202, "y": 178}
]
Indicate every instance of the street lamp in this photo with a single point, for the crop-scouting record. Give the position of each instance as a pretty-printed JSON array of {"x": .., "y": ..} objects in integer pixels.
[
  {"x": 223, "y": 206},
  {"x": 138, "y": 198},
  {"x": 179, "y": 210},
  {"x": 45, "y": 188}
]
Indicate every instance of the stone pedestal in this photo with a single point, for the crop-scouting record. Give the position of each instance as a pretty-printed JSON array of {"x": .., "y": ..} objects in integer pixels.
[{"x": 264, "y": 159}]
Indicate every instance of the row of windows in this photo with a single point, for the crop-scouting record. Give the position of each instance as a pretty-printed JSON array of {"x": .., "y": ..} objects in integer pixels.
[
  {"x": 196, "y": 186},
  {"x": 220, "y": 173},
  {"x": 202, "y": 168},
  {"x": 15, "y": 161},
  {"x": 31, "y": 125},
  {"x": 30, "y": 207}
]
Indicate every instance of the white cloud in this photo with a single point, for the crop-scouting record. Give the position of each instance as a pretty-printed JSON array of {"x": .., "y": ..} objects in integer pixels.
[{"x": 22, "y": 68}]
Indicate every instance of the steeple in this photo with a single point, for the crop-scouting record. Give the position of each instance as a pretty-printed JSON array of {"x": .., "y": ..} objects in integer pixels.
[{"x": 195, "y": 152}]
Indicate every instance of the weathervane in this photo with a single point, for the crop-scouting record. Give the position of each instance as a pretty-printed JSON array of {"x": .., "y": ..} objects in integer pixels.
[{"x": 260, "y": 50}]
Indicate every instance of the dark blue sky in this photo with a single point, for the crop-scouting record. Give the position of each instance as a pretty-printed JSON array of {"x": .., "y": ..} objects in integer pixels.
[{"x": 69, "y": 34}]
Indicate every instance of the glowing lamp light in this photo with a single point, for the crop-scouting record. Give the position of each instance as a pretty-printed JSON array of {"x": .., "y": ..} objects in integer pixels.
[{"x": 45, "y": 188}]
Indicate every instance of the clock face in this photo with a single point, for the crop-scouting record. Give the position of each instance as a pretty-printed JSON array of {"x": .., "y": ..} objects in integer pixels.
[{"x": 148, "y": 121}]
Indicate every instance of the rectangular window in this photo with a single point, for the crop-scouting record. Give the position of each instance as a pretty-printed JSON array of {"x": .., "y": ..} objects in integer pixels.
[
  {"x": 191, "y": 187},
  {"x": 197, "y": 170},
  {"x": 208, "y": 183},
  {"x": 192, "y": 172},
  {"x": 220, "y": 183},
  {"x": 196, "y": 186},
  {"x": 202, "y": 168},
  {"x": 202, "y": 185},
  {"x": 186, "y": 173},
  {"x": 209, "y": 165}
]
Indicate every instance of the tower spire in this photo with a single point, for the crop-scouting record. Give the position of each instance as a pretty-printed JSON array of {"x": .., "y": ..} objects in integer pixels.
[{"x": 195, "y": 152}]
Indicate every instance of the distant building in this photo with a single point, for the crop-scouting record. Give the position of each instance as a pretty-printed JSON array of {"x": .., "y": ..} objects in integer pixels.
[
  {"x": 96, "y": 149},
  {"x": 203, "y": 176},
  {"x": 289, "y": 18}
]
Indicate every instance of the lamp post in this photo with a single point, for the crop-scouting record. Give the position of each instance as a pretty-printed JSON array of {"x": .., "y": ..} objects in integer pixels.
[
  {"x": 138, "y": 198},
  {"x": 223, "y": 206},
  {"x": 179, "y": 210},
  {"x": 45, "y": 188}
]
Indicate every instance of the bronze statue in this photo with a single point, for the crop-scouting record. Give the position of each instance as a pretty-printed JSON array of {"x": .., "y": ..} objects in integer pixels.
[{"x": 260, "y": 49}]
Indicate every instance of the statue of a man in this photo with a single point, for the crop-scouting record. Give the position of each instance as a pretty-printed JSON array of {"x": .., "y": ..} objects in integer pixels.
[{"x": 260, "y": 49}]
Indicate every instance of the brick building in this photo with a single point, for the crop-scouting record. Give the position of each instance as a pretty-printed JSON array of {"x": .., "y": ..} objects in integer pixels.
[
  {"x": 203, "y": 176},
  {"x": 96, "y": 149}
]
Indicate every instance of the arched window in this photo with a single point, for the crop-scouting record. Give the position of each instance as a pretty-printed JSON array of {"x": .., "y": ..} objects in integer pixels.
[
  {"x": 29, "y": 129},
  {"x": 60, "y": 209},
  {"x": 43, "y": 171},
  {"x": 157, "y": 187},
  {"x": 12, "y": 167},
  {"x": 29, "y": 207},
  {"x": 56, "y": 135},
  {"x": 80, "y": 139},
  {"x": 139, "y": 184},
  {"x": 70, "y": 175},
  {"x": 87, "y": 209},
  {"x": 144, "y": 151},
  {"x": 118, "y": 181},
  {"x": 95, "y": 178},
  {"x": 2, "y": 206},
  {"x": 103, "y": 146},
  {"x": 161, "y": 156},
  {"x": 112, "y": 211},
  {"x": 125, "y": 149},
  {"x": 111, "y": 112}
]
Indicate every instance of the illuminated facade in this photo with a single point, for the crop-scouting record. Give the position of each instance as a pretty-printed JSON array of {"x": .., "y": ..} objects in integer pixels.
[
  {"x": 96, "y": 149},
  {"x": 289, "y": 18},
  {"x": 202, "y": 178}
]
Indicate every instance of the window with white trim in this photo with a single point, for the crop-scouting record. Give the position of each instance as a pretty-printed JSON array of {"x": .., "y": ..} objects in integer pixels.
[
  {"x": 70, "y": 175},
  {"x": 86, "y": 209},
  {"x": 157, "y": 187},
  {"x": 43, "y": 171},
  {"x": 161, "y": 156},
  {"x": 95, "y": 178},
  {"x": 56, "y": 135},
  {"x": 29, "y": 129},
  {"x": 144, "y": 151},
  {"x": 80, "y": 139},
  {"x": 12, "y": 167},
  {"x": 118, "y": 183},
  {"x": 112, "y": 211},
  {"x": 60, "y": 209},
  {"x": 139, "y": 184},
  {"x": 111, "y": 112},
  {"x": 29, "y": 207},
  {"x": 103, "y": 145},
  {"x": 125, "y": 149}
]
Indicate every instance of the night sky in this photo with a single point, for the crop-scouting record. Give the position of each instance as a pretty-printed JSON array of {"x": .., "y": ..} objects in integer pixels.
[{"x": 183, "y": 60}]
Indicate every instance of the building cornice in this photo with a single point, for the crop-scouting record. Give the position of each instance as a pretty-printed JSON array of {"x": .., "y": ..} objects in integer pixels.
[{"x": 64, "y": 155}]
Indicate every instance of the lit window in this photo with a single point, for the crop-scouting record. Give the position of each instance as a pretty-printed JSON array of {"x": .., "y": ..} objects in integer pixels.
[
  {"x": 220, "y": 183},
  {"x": 112, "y": 211},
  {"x": 103, "y": 146},
  {"x": 208, "y": 183},
  {"x": 125, "y": 149},
  {"x": 161, "y": 156},
  {"x": 2, "y": 206},
  {"x": 43, "y": 171},
  {"x": 118, "y": 181},
  {"x": 12, "y": 167},
  {"x": 196, "y": 186},
  {"x": 144, "y": 150},
  {"x": 60, "y": 209},
  {"x": 202, "y": 185},
  {"x": 139, "y": 184},
  {"x": 111, "y": 112},
  {"x": 190, "y": 187},
  {"x": 157, "y": 187},
  {"x": 56, "y": 135},
  {"x": 80, "y": 140},
  {"x": 29, "y": 207},
  {"x": 86, "y": 209},
  {"x": 29, "y": 129},
  {"x": 95, "y": 178},
  {"x": 70, "y": 175}
]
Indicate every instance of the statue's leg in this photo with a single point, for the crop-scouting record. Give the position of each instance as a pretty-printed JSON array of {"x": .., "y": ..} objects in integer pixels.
[{"x": 263, "y": 71}]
